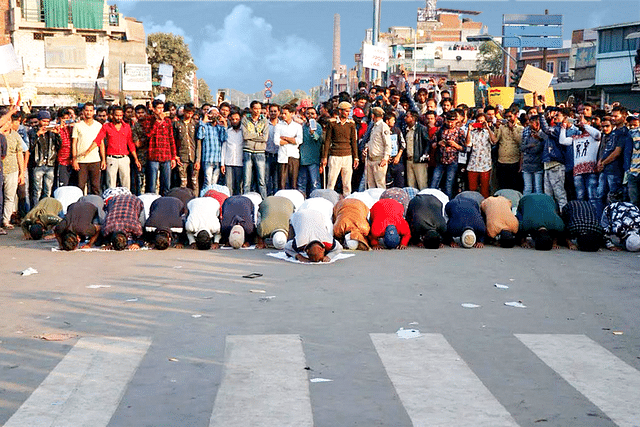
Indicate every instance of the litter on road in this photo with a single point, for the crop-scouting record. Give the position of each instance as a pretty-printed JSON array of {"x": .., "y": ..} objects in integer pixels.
[
  {"x": 470, "y": 305},
  {"x": 517, "y": 304},
  {"x": 98, "y": 286},
  {"x": 499, "y": 286},
  {"x": 320, "y": 380},
  {"x": 408, "y": 333},
  {"x": 29, "y": 271},
  {"x": 132, "y": 300},
  {"x": 196, "y": 316},
  {"x": 57, "y": 337},
  {"x": 257, "y": 291}
]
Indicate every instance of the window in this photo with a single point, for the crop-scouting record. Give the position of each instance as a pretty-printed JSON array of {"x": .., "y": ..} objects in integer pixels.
[
  {"x": 535, "y": 64},
  {"x": 550, "y": 66},
  {"x": 90, "y": 38},
  {"x": 41, "y": 36},
  {"x": 614, "y": 40},
  {"x": 564, "y": 67}
]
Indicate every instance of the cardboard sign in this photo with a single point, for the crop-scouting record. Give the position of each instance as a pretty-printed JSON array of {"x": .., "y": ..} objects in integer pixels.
[
  {"x": 502, "y": 96},
  {"x": 549, "y": 98},
  {"x": 465, "y": 94},
  {"x": 375, "y": 57},
  {"x": 8, "y": 59},
  {"x": 165, "y": 70},
  {"x": 535, "y": 80}
]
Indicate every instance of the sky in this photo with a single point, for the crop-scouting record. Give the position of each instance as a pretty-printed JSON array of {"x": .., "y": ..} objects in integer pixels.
[{"x": 240, "y": 45}]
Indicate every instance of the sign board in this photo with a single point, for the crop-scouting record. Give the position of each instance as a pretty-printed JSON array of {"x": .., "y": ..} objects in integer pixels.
[
  {"x": 8, "y": 59},
  {"x": 531, "y": 30},
  {"x": 136, "y": 77},
  {"x": 167, "y": 81},
  {"x": 65, "y": 52},
  {"x": 268, "y": 93},
  {"x": 268, "y": 84},
  {"x": 375, "y": 57},
  {"x": 531, "y": 19},
  {"x": 535, "y": 80},
  {"x": 165, "y": 70},
  {"x": 465, "y": 94},
  {"x": 541, "y": 42},
  {"x": 549, "y": 98},
  {"x": 502, "y": 96}
]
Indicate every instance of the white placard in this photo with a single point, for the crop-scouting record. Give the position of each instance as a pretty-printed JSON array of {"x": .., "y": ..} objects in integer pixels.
[
  {"x": 375, "y": 57},
  {"x": 165, "y": 70},
  {"x": 136, "y": 77},
  {"x": 167, "y": 81},
  {"x": 8, "y": 59}
]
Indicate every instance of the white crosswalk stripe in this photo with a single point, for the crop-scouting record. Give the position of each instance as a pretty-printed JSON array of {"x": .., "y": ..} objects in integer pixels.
[
  {"x": 601, "y": 377},
  {"x": 436, "y": 386},
  {"x": 86, "y": 387},
  {"x": 264, "y": 383}
]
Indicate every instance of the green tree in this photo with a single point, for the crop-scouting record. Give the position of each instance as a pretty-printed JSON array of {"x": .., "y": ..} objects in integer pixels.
[
  {"x": 490, "y": 58},
  {"x": 283, "y": 97},
  {"x": 204, "y": 93},
  {"x": 166, "y": 48},
  {"x": 300, "y": 94}
]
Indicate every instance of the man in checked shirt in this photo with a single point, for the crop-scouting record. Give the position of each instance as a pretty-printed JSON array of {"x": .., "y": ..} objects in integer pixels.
[{"x": 162, "y": 148}]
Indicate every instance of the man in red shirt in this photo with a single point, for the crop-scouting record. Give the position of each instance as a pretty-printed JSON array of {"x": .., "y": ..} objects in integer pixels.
[
  {"x": 162, "y": 155},
  {"x": 119, "y": 146},
  {"x": 388, "y": 224}
]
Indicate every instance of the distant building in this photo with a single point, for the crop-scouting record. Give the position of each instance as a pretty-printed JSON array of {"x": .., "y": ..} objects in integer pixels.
[
  {"x": 436, "y": 47},
  {"x": 582, "y": 68},
  {"x": 62, "y": 45},
  {"x": 557, "y": 61},
  {"x": 617, "y": 64}
]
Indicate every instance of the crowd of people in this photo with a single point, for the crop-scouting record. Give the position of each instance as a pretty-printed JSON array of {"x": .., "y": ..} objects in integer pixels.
[{"x": 385, "y": 167}]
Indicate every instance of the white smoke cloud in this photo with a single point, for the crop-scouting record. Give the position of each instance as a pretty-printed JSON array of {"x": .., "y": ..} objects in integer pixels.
[
  {"x": 167, "y": 27},
  {"x": 245, "y": 52}
]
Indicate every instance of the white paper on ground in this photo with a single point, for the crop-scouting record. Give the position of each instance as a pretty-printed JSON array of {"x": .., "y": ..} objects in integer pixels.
[
  {"x": 408, "y": 333},
  {"x": 284, "y": 257},
  {"x": 98, "y": 286},
  {"x": 320, "y": 380},
  {"x": 29, "y": 271},
  {"x": 229, "y": 247},
  {"x": 470, "y": 305},
  {"x": 499, "y": 286},
  {"x": 516, "y": 304}
]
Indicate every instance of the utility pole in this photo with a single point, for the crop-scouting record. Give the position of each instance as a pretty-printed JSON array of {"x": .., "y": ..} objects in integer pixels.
[
  {"x": 376, "y": 33},
  {"x": 544, "y": 50}
]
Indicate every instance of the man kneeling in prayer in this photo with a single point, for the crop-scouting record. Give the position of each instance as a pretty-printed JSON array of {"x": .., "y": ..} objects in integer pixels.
[{"x": 311, "y": 241}]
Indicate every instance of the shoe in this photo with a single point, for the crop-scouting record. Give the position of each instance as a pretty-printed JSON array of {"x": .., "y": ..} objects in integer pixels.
[{"x": 3, "y": 232}]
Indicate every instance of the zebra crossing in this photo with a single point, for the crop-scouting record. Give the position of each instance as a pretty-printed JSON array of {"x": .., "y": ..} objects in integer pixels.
[{"x": 264, "y": 385}]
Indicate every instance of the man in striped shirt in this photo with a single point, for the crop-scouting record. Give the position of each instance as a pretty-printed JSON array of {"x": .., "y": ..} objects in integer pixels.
[{"x": 212, "y": 135}]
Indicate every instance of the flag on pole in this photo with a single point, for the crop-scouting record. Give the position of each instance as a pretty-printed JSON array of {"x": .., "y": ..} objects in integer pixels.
[
  {"x": 483, "y": 85},
  {"x": 98, "y": 95},
  {"x": 101, "y": 70}
]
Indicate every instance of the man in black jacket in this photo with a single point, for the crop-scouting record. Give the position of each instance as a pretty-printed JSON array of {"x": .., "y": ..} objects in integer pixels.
[{"x": 418, "y": 143}]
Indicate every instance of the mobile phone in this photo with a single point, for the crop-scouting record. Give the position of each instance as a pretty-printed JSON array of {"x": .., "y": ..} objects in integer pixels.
[
  {"x": 477, "y": 125},
  {"x": 313, "y": 124},
  {"x": 450, "y": 83}
]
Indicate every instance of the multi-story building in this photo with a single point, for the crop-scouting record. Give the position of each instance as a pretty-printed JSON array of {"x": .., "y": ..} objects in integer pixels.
[
  {"x": 617, "y": 68},
  {"x": 62, "y": 45},
  {"x": 557, "y": 61},
  {"x": 437, "y": 47}
]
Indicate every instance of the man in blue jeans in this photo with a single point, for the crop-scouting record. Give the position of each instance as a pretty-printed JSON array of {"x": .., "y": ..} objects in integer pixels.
[
  {"x": 310, "y": 154},
  {"x": 162, "y": 155},
  {"x": 610, "y": 163},
  {"x": 255, "y": 132}
]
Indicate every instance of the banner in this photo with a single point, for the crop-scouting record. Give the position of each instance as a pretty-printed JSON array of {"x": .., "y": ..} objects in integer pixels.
[
  {"x": 8, "y": 59},
  {"x": 502, "y": 96},
  {"x": 375, "y": 57}
]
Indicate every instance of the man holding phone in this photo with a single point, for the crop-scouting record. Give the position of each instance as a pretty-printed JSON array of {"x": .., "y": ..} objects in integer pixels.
[{"x": 44, "y": 143}]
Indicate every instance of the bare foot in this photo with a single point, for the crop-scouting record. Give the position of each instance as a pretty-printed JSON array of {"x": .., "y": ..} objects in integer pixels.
[
  {"x": 402, "y": 247},
  {"x": 526, "y": 245},
  {"x": 134, "y": 246},
  {"x": 215, "y": 246},
  {"x": 179, "y": 246},
  {"x": 478, "y": 245},
  {"x": 615, "y": 249},
  {"x": 454, "y": 245},
  {"x": 572, "y": 246},
  {"x": 49, "y": 237},
  {"x": 261, "y": 245},
  {"x": 246, "y": 245}
]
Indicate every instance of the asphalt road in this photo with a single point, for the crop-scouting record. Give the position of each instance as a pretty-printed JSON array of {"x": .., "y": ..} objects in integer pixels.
[{"x": 178, "y": 338}]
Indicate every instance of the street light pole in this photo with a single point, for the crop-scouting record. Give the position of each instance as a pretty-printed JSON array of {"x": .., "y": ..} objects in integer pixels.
[{"x": 376, "y": 33}]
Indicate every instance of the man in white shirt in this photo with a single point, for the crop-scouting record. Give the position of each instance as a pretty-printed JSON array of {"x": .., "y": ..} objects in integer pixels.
[
  {"x": 378, "y": 151},
  {"x": 311, "y": 241},
  {"x": 202, "y": 224},
  {"x": 288, "y": 136},
  {"x": 87, "y": 158},
  {"x": 231, "y": 160}
]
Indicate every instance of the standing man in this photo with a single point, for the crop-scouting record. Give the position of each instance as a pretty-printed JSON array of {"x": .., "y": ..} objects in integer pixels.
[
  {"x": 231, "y": 159},
  {"x": 378, "y": 151},
  {"x": 255, "y": 131},
  {"x": 162, "y": 148},
  {"x": 119, "y": 146},
  {"x": 309, "y": 174},
  {"x": 87, "y": 159},
  {"x": 271, "y": 152},
  {"x": 341, "y": 146},
  {"x": 12, "y": 169},
  {"x": 418, "y": 143},
  {"x": 142, "y": 148},
  {"x": 41, "y": 157},
  {"x": 288, "y": 136},
  {"x": 188, "y": 147},
  {"x": 509, "y": 138},
  {"x": 211, "y": 136}
]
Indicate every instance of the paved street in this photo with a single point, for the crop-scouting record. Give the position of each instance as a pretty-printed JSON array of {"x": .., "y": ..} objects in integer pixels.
[{"x": 178, "y": 338}]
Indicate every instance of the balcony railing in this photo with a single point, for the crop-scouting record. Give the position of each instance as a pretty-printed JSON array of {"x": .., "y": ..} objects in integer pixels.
[{"x": 34, "y": 12}]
